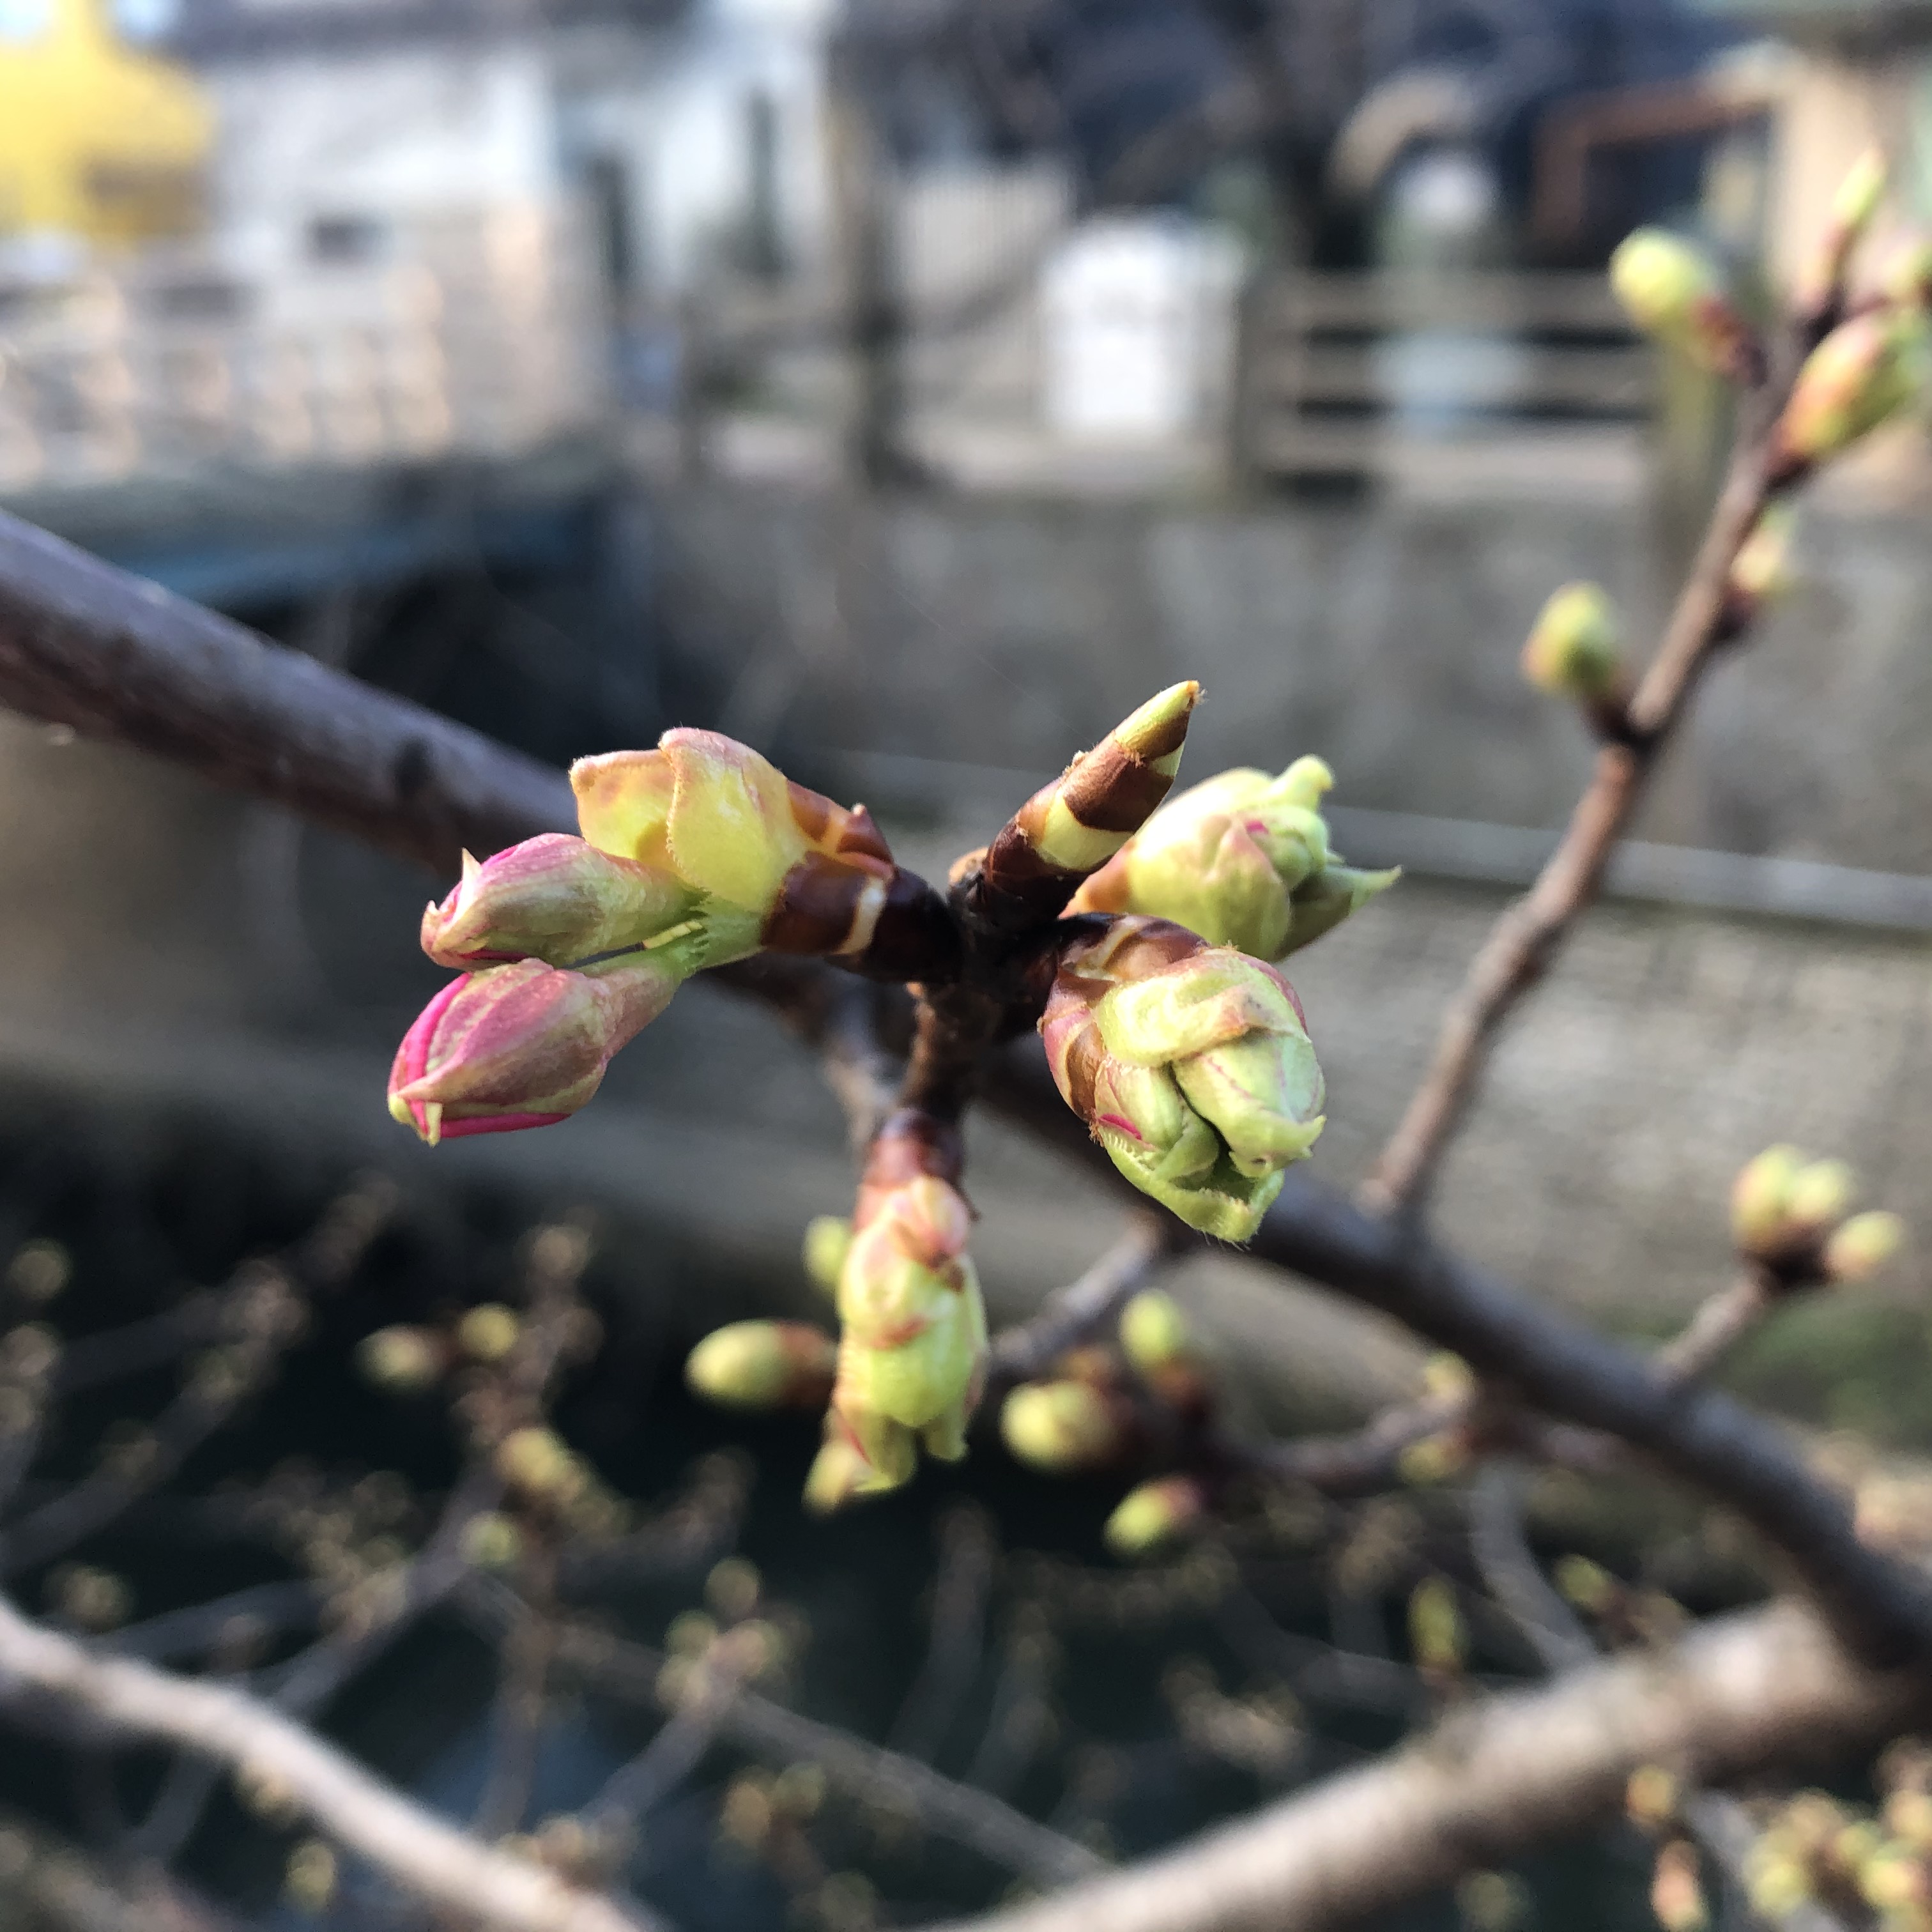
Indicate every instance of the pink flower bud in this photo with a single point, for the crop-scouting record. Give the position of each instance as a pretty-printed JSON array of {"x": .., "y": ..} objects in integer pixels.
[
  {"x": 555, "y": 898},
  {"x": 521, "y": 1046}
]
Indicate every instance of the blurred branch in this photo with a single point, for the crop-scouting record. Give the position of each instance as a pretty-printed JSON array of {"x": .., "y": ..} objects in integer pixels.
[
  {"x": 446, "y": 1867},
  {"x": 974, "y": 1819},
  {"x": 1737, "y": 1695}
]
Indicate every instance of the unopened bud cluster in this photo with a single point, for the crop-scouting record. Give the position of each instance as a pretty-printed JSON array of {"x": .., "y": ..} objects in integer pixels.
[
  {"x": 1793, "y": 1217},
  {"x": 1192, "y": 1065},
  {"x": 1854, "y": 1865},
  {"x": 1243, "y": 859},
  {"x": 696, "y": 853}
]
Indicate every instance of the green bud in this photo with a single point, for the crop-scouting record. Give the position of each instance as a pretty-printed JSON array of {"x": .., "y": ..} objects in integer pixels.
[
  {"x": 912, "y": 1348},
  {"x": 1761, "y": 1200},
  {"x": 1860, "y": 193},
  {"x": 839, "y": 1472},
  {"x": 1761, "y": 573},
  {"x": 1588, "y": 1585},
  {"x": 1319, "y": 905},
  {"x": 1243, "y": 859},
  {"x": 1192, "y": 1064},
  {"x": 536, "y": 1462},
  {"x": 1154, "y": 1514},
  {"x": 403, "y": 1360},
  {"x": 827, "y": 1237},
  {"x": 492, "y": 1541},
  {"x": 1862, "y": 1246},
  {"x": 1061, "y": 1427},
  {"x": 763, "y": 1365},
  {"x": 1867, "y": 370},
  {"x": 488, "y": 1332},
  {"x": 1573, "y": 650},
  {"x": 1436, "y": 1636},
  {"x": 1671, "y": 289},
  {"x": 1822, "y": 1194},
  {"x": 1153, "y": 1331}
]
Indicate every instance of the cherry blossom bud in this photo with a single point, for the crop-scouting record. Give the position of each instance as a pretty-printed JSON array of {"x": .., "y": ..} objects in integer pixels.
[
  {"x": 1193, "y": 1066},
  {"x": 403, "y": 1360},
  {"x": 1243, "y": 859},
  {"x": 555, "y": 898},
  {"x": 1862, "y": 1246},
  {"x": 1761, "y": 1200},
  {"x": 488, "y": 1332},
  {"x": 1436, "y": 1635},
  {"x": 839, "y": 1472},
  {"x": 1153, "y": 1331},
  {"x": 1155, "y": 1514},
  {"x": 521, "y": 1046},
  {"x": 1652, "y": 1797},
  {"x": 1762, "y": 572},
  {"x": 912, "y": 1345},
  {"x": 1061, "y": 1427},
  {"x": 773, "y": 864},
  {"x": 1865, "y": 370},
  {"x": 1573, "y": 649},
  {"x": 763, "y": 1365},
  {"x": 1822, "y": 1194},
  {"x": 1671, "y": 290},
  {"x": 1906, "y": 276},
  {"x": 1676, "y": 1895},
  {"x": 827, "y": 1237},
  {"x": 1072, "y": 827},
  {"x": 1821, "y": 285}
]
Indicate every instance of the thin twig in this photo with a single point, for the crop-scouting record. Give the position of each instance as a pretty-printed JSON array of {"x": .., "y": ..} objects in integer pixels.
[
  {"x": 1087, "y": 1307},
  {"x": 1526, "y": 938},
  {"x": 1718, "y": 1326},
  {"x": 974, "y": 1819}
]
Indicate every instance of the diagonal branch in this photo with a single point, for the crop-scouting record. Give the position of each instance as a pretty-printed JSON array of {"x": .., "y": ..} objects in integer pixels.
[
  {"x": 1526, "y": 938},
  {"x": 1739, "y": 1694},
  {"x": 441, "y": 1864}
]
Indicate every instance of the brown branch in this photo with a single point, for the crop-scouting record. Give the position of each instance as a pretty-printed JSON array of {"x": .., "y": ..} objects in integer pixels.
[
  {"x": 112, "y": 656},
  {"x": 1081, "y": 1309},
  {"x": 1718, "y": 1326},
  {"x": 1737, "y": 1695},
  {"x": 439, "y": 1863},
  {"x": 1526, "y": 938}
]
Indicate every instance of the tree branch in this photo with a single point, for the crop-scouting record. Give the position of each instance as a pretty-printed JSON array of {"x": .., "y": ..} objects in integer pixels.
[
  {"x": 445, "y": 1867},
  {"x": 1526, "y": 939},
  {"x": 1494, "y": 1781}
]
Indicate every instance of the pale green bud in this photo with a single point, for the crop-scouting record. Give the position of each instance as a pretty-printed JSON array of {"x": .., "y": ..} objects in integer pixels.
[
  {"x": 1761, "y": 1200},
  {"x": 1436, "y": 1635},
  {"x": 1867, "y": 370},
  {"x": 827, "y": 1237},
  {"x": 1154, "y": 1514},
  {"x": 404, "y": 1360},
  {"x": 1862, "y": 1246},
  {"x": 1202, "y": 1085},
  {"x": 1860, "y": 193},
  {"x": 1243, "y": 859},
  {"x": 1671, "y": 289},
  {"x": 488, "y": 1332},
  {"x": 1588, "y": 1585},
  {"x": 763, "y": 1365},
  {"x": 1153, "y": 1331},
  {"x": 1320, "y": 903},
  {"x": 1762, "y": 572},
  {"x": 1822, "y": 1194},
  {"x": 1573, "y": 649},
  {"x": 492, "y": 1541},
  {"x": 537, "y": 1462},
  {"x": 1060, "y": 1427}
]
